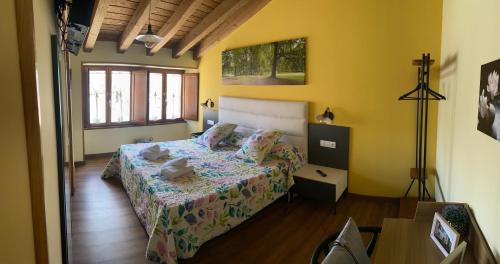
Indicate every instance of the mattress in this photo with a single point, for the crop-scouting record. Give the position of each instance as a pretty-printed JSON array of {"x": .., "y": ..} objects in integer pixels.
[{"x": 180, "y": 215}]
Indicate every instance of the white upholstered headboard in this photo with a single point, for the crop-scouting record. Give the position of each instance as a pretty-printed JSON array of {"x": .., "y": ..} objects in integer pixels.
[{"x": 288, "y": 116}]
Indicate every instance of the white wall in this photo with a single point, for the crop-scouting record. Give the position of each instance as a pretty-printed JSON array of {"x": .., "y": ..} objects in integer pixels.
[
  {"x": 192, "y": 126},
  {"x": 108, "y": 140},
  {"x": 468, "y": 162},
  {"x": 99, "y": 141},
  {"x": 44, "y": 27}
]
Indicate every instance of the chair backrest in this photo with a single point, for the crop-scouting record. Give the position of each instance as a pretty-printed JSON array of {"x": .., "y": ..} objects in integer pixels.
[
  {"x": 457, "y": 255},
  {"x": 348, "y": 247}
]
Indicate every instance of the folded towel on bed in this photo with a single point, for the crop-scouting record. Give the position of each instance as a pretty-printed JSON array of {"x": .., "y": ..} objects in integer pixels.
[
  {"x": 172, "y": 172},
  {"x": 153, "y": 152},
  {"x": 178, "y": 162}
]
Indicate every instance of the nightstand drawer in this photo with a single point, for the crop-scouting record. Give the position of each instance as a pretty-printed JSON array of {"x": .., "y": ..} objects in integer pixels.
[
  {"x": 318, "y": 186},
  {"x": 314, "y": 189}
]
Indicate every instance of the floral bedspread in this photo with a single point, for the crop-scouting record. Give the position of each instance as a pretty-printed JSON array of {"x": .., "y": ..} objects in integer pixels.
[{"x": 180, "y": 215}]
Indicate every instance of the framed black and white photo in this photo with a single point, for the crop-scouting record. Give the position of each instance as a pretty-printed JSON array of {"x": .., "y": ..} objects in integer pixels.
[
  {"x": 443, "y": 234},
  {"x": 489, "y": 100}
]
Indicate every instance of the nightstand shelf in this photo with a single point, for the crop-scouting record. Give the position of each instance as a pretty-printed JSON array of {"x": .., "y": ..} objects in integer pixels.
[{"x": 309, "y": 183}]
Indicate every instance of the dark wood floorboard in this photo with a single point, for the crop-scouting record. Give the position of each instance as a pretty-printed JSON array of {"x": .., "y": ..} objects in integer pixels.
[
  {"x": 106, "y": 229},
  {"x": 407, "y": 207}
]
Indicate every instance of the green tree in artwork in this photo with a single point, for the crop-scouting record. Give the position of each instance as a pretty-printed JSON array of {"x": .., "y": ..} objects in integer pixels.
[
  {"x": 276, "y": 63},
  {"x": 227, "y": 62},
  {"x": 276, "y": 56},
  {"x": 291, "y": 56}
]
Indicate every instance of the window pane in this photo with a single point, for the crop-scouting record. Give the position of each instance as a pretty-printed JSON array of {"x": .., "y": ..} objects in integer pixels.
[
  {"x": 174, "y": 85},
  {"x": 97, "y": 97},
  {"x": 120, "y": 96},
  {"x": 155, "y": 96}
]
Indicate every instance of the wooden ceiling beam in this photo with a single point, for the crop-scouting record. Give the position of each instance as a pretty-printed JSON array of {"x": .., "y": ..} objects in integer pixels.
[
  {"x": 232, "y": 23},
  {"x": 168, "y": 30},
  {"x": 136, "y": 23},
  {"x": 215, "y": 18},
  {"x": 98, "y": 14}
]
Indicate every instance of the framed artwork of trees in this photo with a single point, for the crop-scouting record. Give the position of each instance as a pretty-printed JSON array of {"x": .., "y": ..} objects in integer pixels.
[
  {"x": 276, "y": 63},
  {"x": 489, "y": 100}
]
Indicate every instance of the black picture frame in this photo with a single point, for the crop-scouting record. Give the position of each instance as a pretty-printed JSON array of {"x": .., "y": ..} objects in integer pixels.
[
  {"x": 489, "y": 100},
  {"x": 58, "y": 111}
]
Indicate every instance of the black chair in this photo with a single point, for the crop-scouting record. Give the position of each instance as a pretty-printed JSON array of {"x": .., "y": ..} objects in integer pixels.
[{"x": 324, "y": 248}]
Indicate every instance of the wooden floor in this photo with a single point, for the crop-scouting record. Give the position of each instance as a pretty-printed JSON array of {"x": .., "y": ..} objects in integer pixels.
[{"x": 106, "y": 229}]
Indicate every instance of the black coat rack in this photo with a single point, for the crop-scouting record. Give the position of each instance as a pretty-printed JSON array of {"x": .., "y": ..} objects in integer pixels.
[{"x": 422, "y": 94}]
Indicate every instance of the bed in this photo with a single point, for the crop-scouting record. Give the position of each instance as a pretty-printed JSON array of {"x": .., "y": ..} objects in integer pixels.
[{"x": 180, "y": 215}]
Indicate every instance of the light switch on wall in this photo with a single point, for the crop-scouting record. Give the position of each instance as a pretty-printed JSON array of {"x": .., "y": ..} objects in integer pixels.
[{"x": 328, "y": 144}]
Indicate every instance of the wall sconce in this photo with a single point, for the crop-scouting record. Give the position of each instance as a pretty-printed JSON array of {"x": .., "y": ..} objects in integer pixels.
[
  {"x": 326, "y": 117},
  {"x": 208, "y": 103}
]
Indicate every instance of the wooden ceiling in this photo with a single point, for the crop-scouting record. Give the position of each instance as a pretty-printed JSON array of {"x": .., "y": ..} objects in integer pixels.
[{"x": 184, "y": 25}]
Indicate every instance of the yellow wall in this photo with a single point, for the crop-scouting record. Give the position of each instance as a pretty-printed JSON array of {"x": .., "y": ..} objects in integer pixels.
[
  {"x": 16, "y": 231},
  {"x": 96, "y": 141},
  {"x": 468, "y": 161},
  {"x": 359, "y": 57}
]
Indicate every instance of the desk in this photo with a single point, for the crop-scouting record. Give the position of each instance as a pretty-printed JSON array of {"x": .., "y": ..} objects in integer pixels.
[{"x": 408, "y": 240}]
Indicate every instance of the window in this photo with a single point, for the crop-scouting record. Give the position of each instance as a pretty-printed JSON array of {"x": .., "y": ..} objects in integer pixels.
[
  {"x": 165, "y": 96},
  {"x": 155, "y": 96},
  {"x": 120, "y": 96},
  {"x": 108, "y": 104},
  {"x": 136, "y": 96},
  {"x": 174, "y": 103},
  {"x": 97, "y": 97}
]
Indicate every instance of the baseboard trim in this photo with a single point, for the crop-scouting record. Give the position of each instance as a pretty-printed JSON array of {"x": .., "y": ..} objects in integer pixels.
[
  {"x": 77, "y": 163},
  {"x": 98, "y": 155}
]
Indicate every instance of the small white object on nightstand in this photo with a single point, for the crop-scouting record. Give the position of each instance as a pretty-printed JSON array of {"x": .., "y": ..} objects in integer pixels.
[{"x": 333, "y": 176}]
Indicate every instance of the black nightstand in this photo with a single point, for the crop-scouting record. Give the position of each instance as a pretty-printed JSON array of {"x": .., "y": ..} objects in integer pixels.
[
  {"x": 196, "y": 134},
  {"x": 309, "y": 183}
]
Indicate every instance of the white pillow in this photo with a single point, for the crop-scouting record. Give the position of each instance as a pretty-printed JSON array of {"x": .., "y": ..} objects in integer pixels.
[{"x": 245, "y": 131}]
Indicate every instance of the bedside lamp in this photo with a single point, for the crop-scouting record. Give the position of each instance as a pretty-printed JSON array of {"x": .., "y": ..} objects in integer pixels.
[
  {"x": 208, "y": 103},
  {"x": 326, "y": 117}
]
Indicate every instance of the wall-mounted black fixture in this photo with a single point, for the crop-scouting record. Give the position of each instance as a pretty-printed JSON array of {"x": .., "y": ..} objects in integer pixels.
[
  {"x": 326, "y": 117},
  {"x": 208, "y": 103}
]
